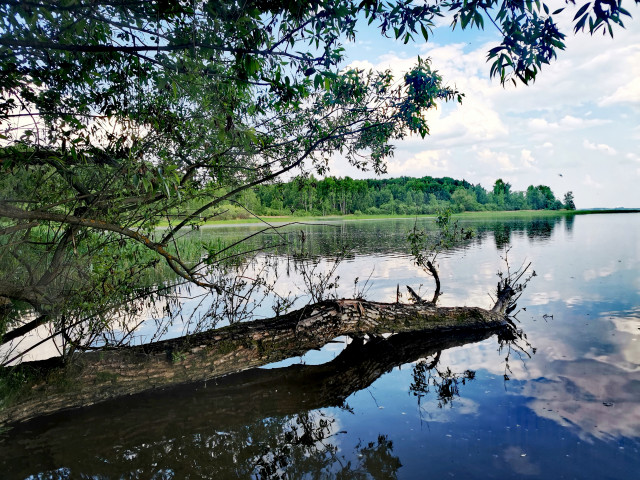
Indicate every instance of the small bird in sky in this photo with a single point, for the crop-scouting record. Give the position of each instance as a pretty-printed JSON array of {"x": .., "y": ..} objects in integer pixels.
[{"x": 559, "y": 174}]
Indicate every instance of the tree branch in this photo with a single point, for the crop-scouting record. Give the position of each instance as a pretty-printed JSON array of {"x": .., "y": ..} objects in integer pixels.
[{"x": 174, "y": 262}]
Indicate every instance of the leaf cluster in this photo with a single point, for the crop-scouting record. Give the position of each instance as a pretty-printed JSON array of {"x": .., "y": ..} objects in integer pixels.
[{"x": 425, "y": 246}]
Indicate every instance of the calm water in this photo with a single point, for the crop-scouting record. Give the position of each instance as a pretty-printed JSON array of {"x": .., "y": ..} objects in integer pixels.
[{"x": 562, "y": 402}]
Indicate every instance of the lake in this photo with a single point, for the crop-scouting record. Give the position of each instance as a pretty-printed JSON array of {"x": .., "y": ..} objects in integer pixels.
[{"x": 561, "y": 401}]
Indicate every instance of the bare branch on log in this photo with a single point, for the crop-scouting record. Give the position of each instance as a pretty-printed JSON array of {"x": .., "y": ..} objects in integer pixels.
[
  {"x": 417, "y": 298},
  {"x": 510, "y": 287}
]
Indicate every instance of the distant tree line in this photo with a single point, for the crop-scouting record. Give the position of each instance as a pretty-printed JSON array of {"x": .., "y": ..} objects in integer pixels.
[{"x": 308, "y": 196}]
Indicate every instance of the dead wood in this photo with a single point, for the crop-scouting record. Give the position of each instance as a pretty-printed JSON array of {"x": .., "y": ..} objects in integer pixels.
[
  {"x": 97, "y": 376},
  {"x": 416, "y": 298}
]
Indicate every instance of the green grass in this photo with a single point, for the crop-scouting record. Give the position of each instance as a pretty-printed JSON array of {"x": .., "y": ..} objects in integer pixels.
[
  {"x": 514, "y": 214},
  {"x": 465, "y": 215},
  {"x": 612, "y": 210}
]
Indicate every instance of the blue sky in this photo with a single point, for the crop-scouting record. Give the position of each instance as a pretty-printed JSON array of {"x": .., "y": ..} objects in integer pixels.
[{"x": 577, "y": 128}]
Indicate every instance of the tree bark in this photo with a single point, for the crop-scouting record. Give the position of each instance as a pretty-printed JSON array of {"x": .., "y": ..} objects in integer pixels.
[
  {"x": 434, "y": 273},
  {"x": 97, "y": 376}
]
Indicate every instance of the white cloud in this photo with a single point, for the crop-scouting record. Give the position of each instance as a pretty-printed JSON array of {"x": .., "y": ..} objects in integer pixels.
[
  {"x": 542, "y": 125},
  {"x": 629, "y": 93},
  {"x": 570, "y": 101},
  {"x": 590, "y": 182},
  {"x": 601, "y": 147},
  {"x": 497, "y": 159},
  {"x": 571, "y": 122},
  {"x": 426, "y": 162},
  {"x": 566, "y": 123},
  {"x": 361, "y": 64},
  {"x": 526, "y": 158},
  {"x": 476, "y": 120}
]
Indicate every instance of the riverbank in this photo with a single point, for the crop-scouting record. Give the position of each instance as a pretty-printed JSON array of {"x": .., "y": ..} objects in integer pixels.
[{"x": 505, "y": 214}]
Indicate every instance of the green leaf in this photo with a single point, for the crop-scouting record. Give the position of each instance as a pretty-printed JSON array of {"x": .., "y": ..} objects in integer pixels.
[
  {"x": 582, "y": 10},
  {"x": 464, "y": 20},
  {"x": 425, "y": 33}
]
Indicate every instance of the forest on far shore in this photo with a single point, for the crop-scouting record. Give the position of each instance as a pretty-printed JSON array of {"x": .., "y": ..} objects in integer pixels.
[{"x": 308, "y": 196}]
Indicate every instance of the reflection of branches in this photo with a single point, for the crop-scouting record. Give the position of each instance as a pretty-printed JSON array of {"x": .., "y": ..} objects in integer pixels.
[
  {"x": 445, "y": 382},
  {"x": 515, "y": 342},
  {"x": 293, "y": 446},
  {"x": 376, "y": 458},
  {"x": 241, "y": 425},
  {"x": 425, "y": 248},
  {"x": 302, "y": 437},
  {"x": 360, "y": 292}
]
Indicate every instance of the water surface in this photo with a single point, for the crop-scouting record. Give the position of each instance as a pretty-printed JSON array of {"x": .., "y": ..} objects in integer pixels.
[{"x": 562, "y": 402}]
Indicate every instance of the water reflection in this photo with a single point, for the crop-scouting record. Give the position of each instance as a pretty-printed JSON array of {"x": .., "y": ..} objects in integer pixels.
[
  {"x": 287, "y": 276},
  {"x": 569, "y": 411},
  {"x": 592, "y": 387},
  {"x": 267, "y": 423},
  {"x": 535, "y": 229},
  {"x": 384, "y": 237}
]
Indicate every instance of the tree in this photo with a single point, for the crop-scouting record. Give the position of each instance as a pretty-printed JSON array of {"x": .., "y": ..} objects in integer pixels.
[
  {"x": 569, "y": 204},
  {"x": 170, "y": 121},
  {"x": 501, "y": 188},
  {"x": 541, "y": 197},
  {"x": 425, "y": 247},
  {"x": 116, "y": 115},
  {"x": 465, "y": 200}
]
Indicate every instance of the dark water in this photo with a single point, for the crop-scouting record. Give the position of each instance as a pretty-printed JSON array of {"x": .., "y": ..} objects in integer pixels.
[{"x": 562, "y": 402}]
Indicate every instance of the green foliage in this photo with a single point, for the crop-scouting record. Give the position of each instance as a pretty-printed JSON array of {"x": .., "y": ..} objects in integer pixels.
[
  {"x": 569, "y": 204},
  {"x": 16, "y": 383},
  {"x": 107, "y": 377},
  {"x": 177, "y": 357},
  {"x": 404, "y": 196}
]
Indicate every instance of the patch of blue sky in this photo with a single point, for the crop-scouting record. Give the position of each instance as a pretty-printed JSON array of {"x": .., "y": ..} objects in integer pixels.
[{"x": 576, "y": 128}]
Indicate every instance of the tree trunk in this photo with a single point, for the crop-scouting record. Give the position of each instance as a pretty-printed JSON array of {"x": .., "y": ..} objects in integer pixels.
[
  {"x": 434, "y": 273},
  {"x": 97, "y": 376}
]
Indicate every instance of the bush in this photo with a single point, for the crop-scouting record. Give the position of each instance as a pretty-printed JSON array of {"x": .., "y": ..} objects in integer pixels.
[{"x": 373, "y": 211}]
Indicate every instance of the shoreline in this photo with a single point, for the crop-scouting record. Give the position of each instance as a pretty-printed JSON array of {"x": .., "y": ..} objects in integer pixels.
[{"x": 284, "y": 219}]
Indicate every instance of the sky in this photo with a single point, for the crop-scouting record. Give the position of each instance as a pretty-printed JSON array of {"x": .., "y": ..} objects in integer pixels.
[{"x": 577, "y": 128}]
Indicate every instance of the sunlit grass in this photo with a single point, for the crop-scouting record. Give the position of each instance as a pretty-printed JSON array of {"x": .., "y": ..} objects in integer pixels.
[{"x": 465, "y": 215}]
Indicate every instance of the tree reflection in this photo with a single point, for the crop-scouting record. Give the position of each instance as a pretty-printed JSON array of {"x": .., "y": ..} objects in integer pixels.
[
  {"x": 427, "y": 377},
  {"x": 289, "y": 447},
  {"x": 514, "y": 342},
  {"x": 569, "y": 220},
  {"x": 503, "y": 231},
  {"x": 262, "y": 423}
]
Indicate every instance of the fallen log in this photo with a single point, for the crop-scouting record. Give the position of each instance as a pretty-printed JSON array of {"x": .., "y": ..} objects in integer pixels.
[
  {"x": 98, "y": 376},
  {"x": 183, "y": 415}
]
